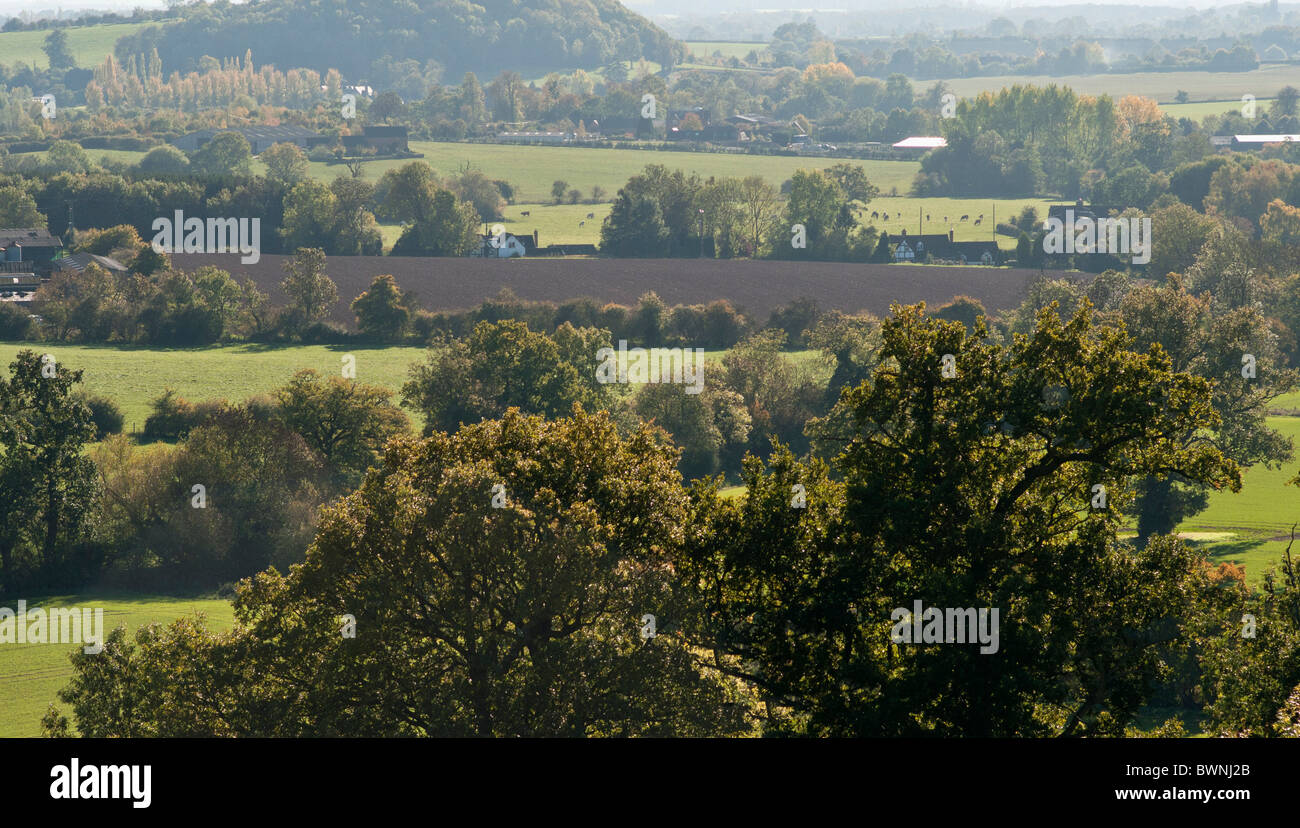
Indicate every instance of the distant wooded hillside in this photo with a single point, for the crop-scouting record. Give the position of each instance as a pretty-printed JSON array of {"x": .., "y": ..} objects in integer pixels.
[{"x": 365, "y": 38}]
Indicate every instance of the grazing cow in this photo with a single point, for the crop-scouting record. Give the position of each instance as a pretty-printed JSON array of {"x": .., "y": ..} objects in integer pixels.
[
  {"x": 582, "y": 223},
  {"x": 981, "y": 215},
  {"x": 884, "y": 216},
  {"x": 945, "y": 219},
  {"x": 978, "y": 220},
  {"x": 526, "y": 213},
  {"x": 875, "y": 214},
  {"x": 964, "y": 218},
  {"x": 927, "y": 216},
  {"x": 591, "y": 215}
]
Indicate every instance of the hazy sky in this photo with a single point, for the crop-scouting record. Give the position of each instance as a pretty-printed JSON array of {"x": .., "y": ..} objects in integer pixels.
[{"x": 10, "y": 7}]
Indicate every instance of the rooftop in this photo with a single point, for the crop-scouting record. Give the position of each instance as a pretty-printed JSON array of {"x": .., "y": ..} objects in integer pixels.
[
  {"x": 80, "y": 261},
  {"x": 922, "y": 142},
  {"x": 28, "y": 237}
]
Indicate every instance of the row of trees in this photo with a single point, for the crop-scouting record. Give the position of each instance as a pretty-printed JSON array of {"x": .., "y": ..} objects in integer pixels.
[
  {"x": 669, "y": 213},
  {"x": 439, "y": 217},
  {"x": 173, "y": 307}
]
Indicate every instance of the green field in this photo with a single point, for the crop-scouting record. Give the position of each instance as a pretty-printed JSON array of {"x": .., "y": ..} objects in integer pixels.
[
  {"x": 134, "y": 376},
  {"x": 1163, "y": 86},
  {"x": 1256, "y": 521},
  {"x": 32, "y": 674},
  {"x": 728, "y": 48},
  {"x": 1204, "y": 109},
  {"x": 532, "y": 169},
  {"x": 909, "y": 214},
  {"x": 557, "y": 223},
  {"x": 89, "y": 44}
]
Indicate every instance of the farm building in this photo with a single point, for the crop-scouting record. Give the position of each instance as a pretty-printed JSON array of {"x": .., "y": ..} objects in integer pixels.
[
  {"x": 78, "y": 262},
  {"x": 907, "y": 248},
  {"x": 507, "y": 246},
  {"x": 28, "y": 249},
  {"x": 919, "y": 145},
  {"x": 1248, "y": 142}
]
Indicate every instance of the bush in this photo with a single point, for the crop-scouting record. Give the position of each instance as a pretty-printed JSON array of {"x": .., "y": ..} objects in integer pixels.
[
  {"x": 426, "y": 324},
  {"x": 963, "y": 309},
  {"x": 105, "y": 414},
  {"x": 796, "y": 319},
  {"x": 170, "y": 417},
  {"x": 321, "y": 153},
  {"x": 15, "y": 322},
  {"x": 326, "y": 332}
]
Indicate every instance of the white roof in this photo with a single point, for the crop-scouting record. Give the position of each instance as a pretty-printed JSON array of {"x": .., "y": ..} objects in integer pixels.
[
  {"x": 1266, "y": 139},
  {"x": 922, "y": 142}
]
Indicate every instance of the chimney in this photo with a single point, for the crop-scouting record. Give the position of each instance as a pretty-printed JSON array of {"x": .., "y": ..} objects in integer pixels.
[
  {"x": 950, "y": 233},
  {"x": 536, "y": 244}
]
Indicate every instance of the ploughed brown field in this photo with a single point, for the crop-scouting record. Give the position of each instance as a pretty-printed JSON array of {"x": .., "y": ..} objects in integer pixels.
[{"x": 755, "y": 287}]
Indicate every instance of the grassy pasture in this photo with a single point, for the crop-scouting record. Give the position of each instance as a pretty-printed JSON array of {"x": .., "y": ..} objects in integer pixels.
[
  {"x": 728, "y": 48},
  {"x": 1204, "y": 109},
  {"x": 909, "y": 214},
  {"x": 532, "y": 169},
  {"x": 1163, "y": 86},
  {"x": 568, "y": 223},
  {"x": 134, "y": 376},
  {"x": 89, "y": 44},
  {"x": 32, "y": 674},
  {"x": 557, "y": 223}
]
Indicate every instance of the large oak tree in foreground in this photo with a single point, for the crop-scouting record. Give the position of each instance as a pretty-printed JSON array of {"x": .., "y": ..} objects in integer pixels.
[
  {"x": 518, "y": 611},
  {"x": 969, "y": 490}
]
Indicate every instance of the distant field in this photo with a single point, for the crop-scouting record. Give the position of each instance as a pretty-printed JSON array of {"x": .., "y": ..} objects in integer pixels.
[
  {"x": 32, "y": 674},
  {"x": 134, "y": 376},
  {"x": 635, "y": 68},
  {"x": 89, "y": 44},
  {"x": 728, "y": 48},
  {"x": 1197, "y": 111},
  {"x": 127, "y": 156},
  {"x": 533, "y": 169},
  {"x": 1163, "y": 86},
  {"x": 557, "y": 223},
  {"x": 909, "y": 214},
  {"x": 568, "y": 224},
  {"x": 1259, "y": 517}
]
